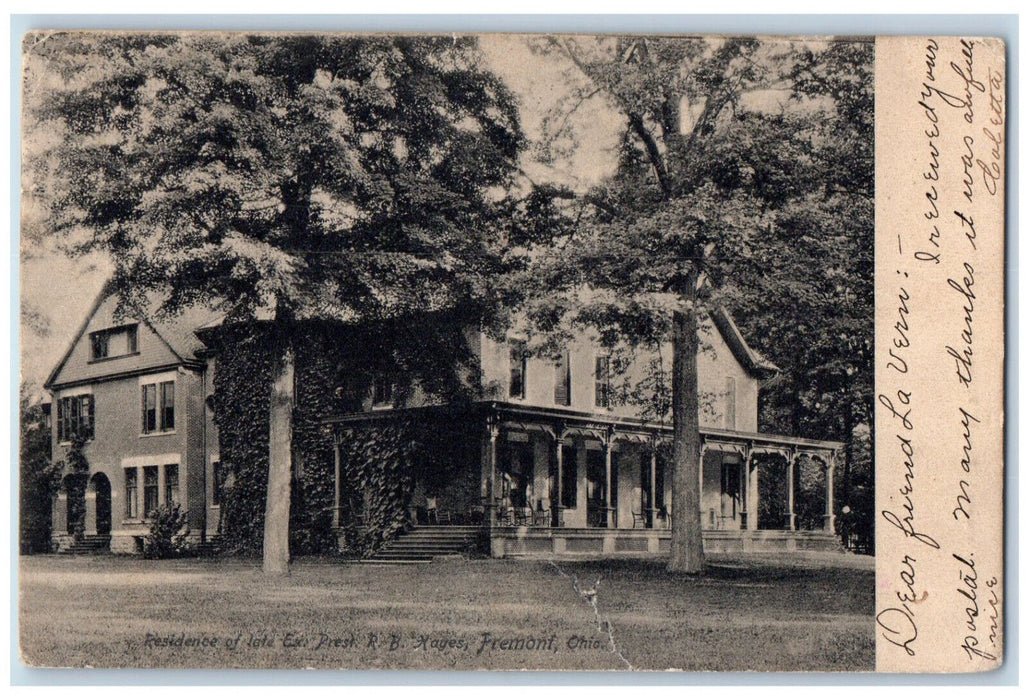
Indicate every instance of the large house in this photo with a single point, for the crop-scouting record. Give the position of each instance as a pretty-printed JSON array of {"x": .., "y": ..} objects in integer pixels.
[
  {"x": 134, "y": 392},
  {"x": 547, "y": 459},
  {"x": 559, "y": 463}
]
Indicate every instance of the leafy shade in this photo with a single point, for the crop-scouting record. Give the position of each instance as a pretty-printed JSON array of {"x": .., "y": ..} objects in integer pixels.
[{"x": 332, "y": 177}]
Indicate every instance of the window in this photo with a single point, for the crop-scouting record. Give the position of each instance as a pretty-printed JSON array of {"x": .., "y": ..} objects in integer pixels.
[
  {"x": 113, "y": 342},
  {"x": 563, "y": 380},
  {"x": 131, "y": 494},
  {"x": 382, "y": 391},
  {"x": 149, "y": 490},
  {"x": 168, "y": 405},
  {"x": 75, "y": 417},
  {"x": 159, "y": 394},
  {"x": 171, "y": 485},
  {"x": 98, "y": 344},
  {"x": 219, "y": 479},
  {"x": 518, "y": 361},
  {"x": 602, "y": 383}
]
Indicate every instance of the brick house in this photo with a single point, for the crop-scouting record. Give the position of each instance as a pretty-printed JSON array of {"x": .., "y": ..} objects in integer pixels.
[
  {"x": 135, "y": 392},
  {"x": 547, "y": 459}
]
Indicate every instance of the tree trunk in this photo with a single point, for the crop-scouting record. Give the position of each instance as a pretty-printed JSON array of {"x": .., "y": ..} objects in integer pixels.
[
  {"x": 687, "y": 544},
  {"x": 280, "y": 464}
]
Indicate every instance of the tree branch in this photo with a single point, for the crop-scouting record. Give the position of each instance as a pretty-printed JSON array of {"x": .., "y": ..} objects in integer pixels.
[{"x": 653, "y": 153}]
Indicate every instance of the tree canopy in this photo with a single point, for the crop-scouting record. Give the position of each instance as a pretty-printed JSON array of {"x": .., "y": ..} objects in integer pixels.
[
  {"x": 281, "y": 177},
  {"x": 329, "y": 176},
  {"x": 743, "y": 179}
]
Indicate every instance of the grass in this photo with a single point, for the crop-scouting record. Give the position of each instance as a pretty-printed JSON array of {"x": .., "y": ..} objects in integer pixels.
[{"x": 746, "y": 613}]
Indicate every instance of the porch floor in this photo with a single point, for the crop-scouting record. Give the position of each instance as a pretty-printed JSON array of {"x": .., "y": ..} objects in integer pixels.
[{"x": 528, "y": 542}]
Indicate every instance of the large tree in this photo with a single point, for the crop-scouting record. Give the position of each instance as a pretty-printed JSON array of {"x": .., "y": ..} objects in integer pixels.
[
  {"x": 716, "y": 149},
  {"x": 281, "y": 177},
  {"x": 825, "y": 346}
]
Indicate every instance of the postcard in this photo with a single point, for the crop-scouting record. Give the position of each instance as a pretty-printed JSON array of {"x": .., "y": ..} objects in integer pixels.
[{"x": 512, "y": 351}]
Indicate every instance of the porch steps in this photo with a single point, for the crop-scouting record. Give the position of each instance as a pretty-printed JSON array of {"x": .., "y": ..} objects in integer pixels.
[
  {"x": 89, "y": 544},
  {"x": 424, "y": 542},
  {"x": 210, "y": 546}
]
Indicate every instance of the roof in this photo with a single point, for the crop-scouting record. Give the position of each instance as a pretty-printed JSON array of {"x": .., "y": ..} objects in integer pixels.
[
  {"x": 176, "y": 333},
  {"x": 752, "y": 361}
]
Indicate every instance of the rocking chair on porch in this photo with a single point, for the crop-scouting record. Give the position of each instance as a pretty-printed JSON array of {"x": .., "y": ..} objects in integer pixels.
[
  {"x": 433, "y": 514},
  {"x": 541, "y": 515}
]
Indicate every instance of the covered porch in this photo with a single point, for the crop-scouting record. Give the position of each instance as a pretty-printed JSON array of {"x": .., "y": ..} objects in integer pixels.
[
  {"x": 560, "y": 482},
  {"x": 545, "y": 482}
]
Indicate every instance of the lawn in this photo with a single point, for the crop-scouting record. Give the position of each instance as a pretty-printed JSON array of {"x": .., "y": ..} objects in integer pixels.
[{"x": 746, "y": 613}]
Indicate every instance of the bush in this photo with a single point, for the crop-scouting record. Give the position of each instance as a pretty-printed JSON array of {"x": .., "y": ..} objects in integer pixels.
[{"x": 168, "y": 534}]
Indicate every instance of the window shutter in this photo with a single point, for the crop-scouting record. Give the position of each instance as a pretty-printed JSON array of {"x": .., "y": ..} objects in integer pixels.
[
  {"x": 562, "y": 381},
  {"x": 602, "y": 381},
  {"x": 167, "y": 406},
  {"x": 518, "y": 365},
  {"x": 89, "y": 416},
  {"x": 76, "y": 416},
  {"x": 60, "y": 420}
]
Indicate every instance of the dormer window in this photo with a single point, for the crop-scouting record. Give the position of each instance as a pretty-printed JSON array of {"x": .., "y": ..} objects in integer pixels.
[{"x": 113, "y": 342}]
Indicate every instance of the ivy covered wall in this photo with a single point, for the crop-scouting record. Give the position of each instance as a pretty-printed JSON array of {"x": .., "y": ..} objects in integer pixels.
[
  {"x": 242, "y": 385},
  {"x": 381, "y": 461}
]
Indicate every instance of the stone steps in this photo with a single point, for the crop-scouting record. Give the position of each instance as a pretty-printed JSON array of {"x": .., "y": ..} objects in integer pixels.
[
  {"x": 89, "y": 544},
  {"x": 423, "y": 543}
]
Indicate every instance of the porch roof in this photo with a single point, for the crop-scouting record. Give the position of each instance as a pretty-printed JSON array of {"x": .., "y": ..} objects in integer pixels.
[{"x": 581, "y": 421}]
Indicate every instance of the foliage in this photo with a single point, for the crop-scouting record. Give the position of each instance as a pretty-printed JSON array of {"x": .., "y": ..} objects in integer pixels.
[
  {"x": 824, "y": 346},
  {"x": 242, "y": 380},
  {"x": 39, "y": 477},
  {"x": 382, "y": 461},
  {"x": 730, "y": 190},
  {"x": 329, "y": 176},
  {"x": 76, "y": 456},
  {"x": 169, "y": 535},
  {"x": 660, "y": 238},
  {"x": 291, "y": 178},
  {"x": 377, "y": 470},
  {"x": 334, "y": 366}
]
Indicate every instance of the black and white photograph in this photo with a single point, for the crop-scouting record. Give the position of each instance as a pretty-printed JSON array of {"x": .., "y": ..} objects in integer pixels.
[{"x": 447, "y": 352}]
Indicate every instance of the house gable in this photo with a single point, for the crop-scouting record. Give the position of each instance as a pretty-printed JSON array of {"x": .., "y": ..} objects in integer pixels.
[{"x": 79, "y": 366}]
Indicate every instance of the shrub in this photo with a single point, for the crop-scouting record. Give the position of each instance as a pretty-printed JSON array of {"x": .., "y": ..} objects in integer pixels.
[{"x": 168, "y": 533}]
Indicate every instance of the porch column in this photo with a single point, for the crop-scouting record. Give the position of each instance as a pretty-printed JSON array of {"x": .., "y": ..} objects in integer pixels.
[
  {"x": 791, "y": 464},
  {"x": 555, "y": 508},
  {"x": 744, "y": 472},
  {"x": 335, "y": 491},
  {"x": 830, "y": 525},
  {"x": 494, "y": 433},
  {"x": 607, "y": 483},
  {"x": 700, "y": 478},
  {"x": 752, "y": 492},
  {"x": 653, "y": 487}
]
